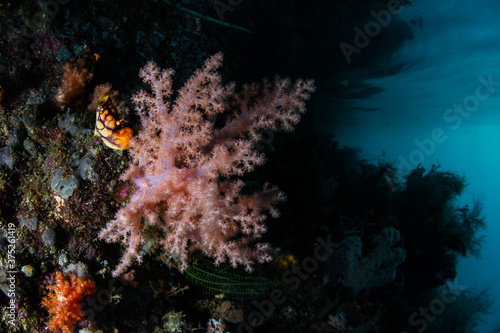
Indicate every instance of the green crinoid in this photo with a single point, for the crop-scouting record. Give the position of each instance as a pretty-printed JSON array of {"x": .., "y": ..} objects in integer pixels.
[{"x": 224, "y": 281}]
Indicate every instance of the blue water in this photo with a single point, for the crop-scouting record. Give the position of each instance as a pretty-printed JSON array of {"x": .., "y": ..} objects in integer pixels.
[{"x": 420, "y": 116}]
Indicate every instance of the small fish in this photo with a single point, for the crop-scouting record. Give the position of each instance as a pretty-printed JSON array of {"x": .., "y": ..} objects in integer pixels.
[{"x": 113, "y": 132}]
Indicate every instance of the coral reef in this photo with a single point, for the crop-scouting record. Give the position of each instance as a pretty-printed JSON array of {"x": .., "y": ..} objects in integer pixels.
[
  {"x": 428, "y": 208},
  {"x": 195, "y": 172}
]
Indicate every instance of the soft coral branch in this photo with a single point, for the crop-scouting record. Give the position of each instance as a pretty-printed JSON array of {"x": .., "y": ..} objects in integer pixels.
[
  {"x": 63, "y": 303},
  {"x": 185, "y": 167}
]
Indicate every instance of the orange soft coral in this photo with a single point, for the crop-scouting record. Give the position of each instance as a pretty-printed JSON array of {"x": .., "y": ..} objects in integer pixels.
[
  {"x": 72, "y": 85},
  {"x": 64, "y": 302}
]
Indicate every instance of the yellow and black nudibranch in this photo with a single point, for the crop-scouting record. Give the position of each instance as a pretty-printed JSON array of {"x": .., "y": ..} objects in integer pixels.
[{"x": 113, "y": 132}]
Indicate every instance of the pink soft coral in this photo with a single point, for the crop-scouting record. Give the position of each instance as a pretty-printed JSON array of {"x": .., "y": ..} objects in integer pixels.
[{"x": 185, "y": 165}]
